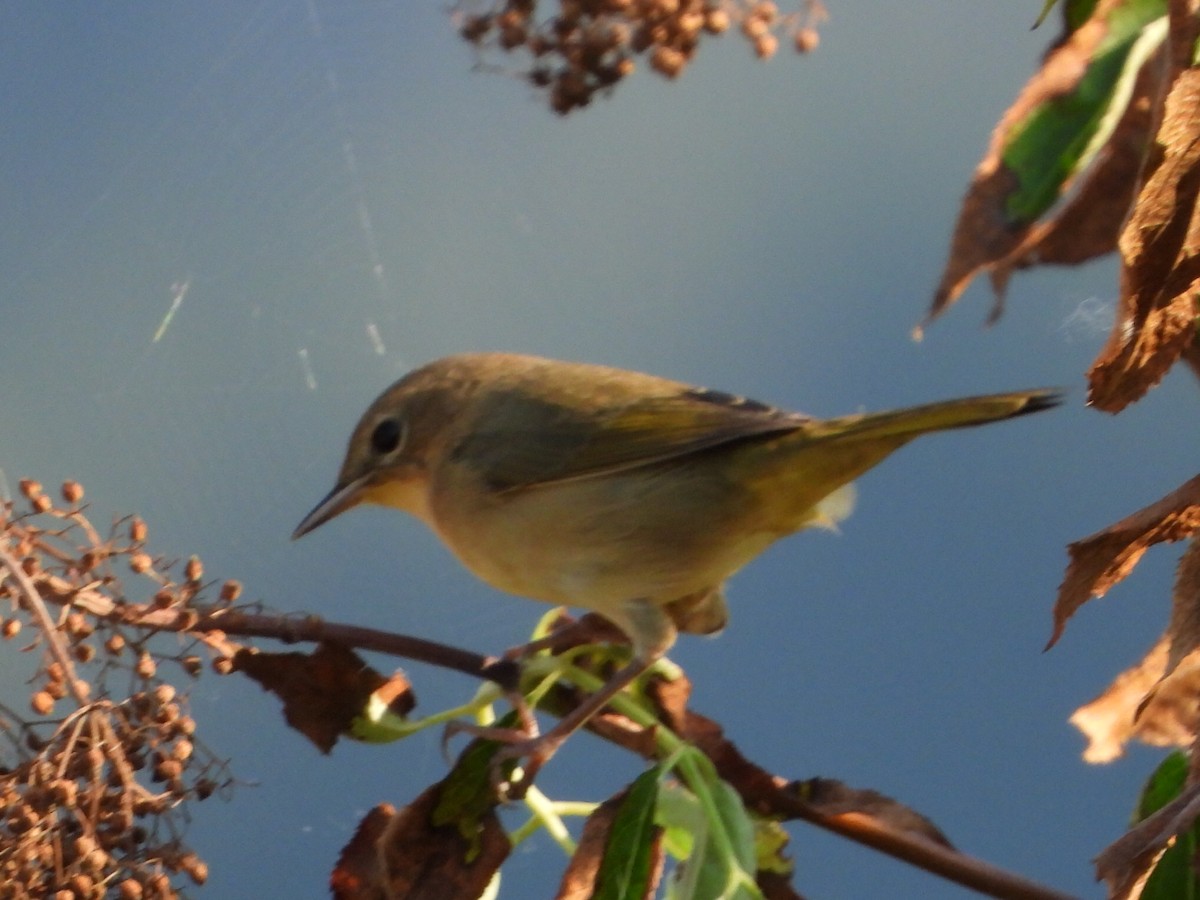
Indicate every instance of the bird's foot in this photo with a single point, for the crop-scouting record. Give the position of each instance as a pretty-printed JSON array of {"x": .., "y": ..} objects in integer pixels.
[{"x": 523, "y": 743}]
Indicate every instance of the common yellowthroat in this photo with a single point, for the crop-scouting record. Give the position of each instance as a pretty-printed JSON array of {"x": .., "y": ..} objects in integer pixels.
[{"x": 622, "y": 493}]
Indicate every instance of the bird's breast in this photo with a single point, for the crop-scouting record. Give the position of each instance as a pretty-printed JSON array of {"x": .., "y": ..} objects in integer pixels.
[{"x": 657, "y": 533}]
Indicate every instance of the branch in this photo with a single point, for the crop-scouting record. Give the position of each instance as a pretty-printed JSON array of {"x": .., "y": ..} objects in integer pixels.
[
  {"x": 891, "y": 831},
  {"x": 763, "y": 792},
  {"x": 503, "y": 672}
]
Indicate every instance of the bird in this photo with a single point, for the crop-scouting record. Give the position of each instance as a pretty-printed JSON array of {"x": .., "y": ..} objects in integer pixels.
[{"x": 625, "y": 494}]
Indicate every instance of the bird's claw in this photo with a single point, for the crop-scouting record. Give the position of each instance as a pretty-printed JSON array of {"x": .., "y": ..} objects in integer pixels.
[{"x": 517, "y": 744}]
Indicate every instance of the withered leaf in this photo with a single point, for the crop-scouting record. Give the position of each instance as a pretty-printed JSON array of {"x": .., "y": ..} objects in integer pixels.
[
  {"x": 1158, "y": 700},
  {"x": 834, "y": 798},
  {"x": 324, "y": 691},
  {"x": 819, "y": 800},
  {"x": 404, "y": 854},
  {"x": 1088, "y": 223},
  {"x": 1184, "y": 629},
  {"x": 670, "y": 699},
  {"x": 776, "y": 886},
  {"x": 1102, "y": 559},
  {"x": 1168, "y": 717},
  {"x": 359, "y": 873},
  {"x": 1124, "y": 863},
  {"x": 1043, "y": 144},
  {"x": 1160, "y": 252}
]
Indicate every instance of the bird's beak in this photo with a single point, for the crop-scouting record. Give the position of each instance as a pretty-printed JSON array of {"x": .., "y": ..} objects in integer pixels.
[{"x": 340, "y": 499}]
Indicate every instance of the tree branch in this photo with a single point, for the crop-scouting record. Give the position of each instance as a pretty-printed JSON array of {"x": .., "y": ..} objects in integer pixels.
[{"x": 763, "y": 792}]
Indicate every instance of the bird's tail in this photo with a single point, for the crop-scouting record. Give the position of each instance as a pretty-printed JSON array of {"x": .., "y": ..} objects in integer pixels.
[
  {"x": 909, "y": 423},
  {"x": 802, "y": 479}
]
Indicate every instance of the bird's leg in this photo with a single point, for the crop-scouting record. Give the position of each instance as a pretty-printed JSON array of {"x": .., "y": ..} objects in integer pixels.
[
  {"x": 526, "y": 740},
  {"x": 589, "y": 629},
  {"x": 651, "y": 631},
  {"x": 538, "y": 748}
]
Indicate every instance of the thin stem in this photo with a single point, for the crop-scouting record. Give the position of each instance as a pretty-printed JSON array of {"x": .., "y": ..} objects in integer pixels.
[
  {"x": 53, "y": 639},
  {"x": 548, "y": 815},
  {"x": 774, "y": 799},
  {"x": 314, "y": 629}
]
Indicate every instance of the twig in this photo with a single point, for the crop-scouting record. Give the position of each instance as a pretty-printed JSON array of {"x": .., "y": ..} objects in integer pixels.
[
  {"x": 923, "y": 853},
  {"x": 767, "y": 793},
  {"x": 862, "y": 829},
  {"x": 504, "y": 672},
  {"x": 33, "y": 599},
  {"x": 216, "y": 620},
  {"x": 772, "y": 795}
]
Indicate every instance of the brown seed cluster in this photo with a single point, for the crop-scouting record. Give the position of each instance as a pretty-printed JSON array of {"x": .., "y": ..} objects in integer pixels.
[
  {"x": 95, "y": 779},
  {"x": 98, "y": 804},
  {"x": 585, "y": 47}
]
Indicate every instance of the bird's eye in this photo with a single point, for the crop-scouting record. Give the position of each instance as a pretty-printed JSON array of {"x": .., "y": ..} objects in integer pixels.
[{"x": 387, "y": 436}]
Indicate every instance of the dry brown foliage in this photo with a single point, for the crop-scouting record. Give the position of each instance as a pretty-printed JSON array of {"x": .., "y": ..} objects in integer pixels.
[
  {"x": 98, "y": 773},
  {"x": 585, "y": 47},
  {"x": 1138, "y": 195}
]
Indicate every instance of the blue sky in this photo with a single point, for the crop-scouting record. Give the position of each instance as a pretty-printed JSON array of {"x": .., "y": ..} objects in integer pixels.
[{"x": 343, "y": 203}]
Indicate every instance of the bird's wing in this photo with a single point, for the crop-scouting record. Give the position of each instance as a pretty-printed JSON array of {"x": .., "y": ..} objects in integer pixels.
[{"x": 523, "y": 441}]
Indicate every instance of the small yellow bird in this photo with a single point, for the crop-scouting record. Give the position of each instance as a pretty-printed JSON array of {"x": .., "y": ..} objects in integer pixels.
[{"x": 622, "y": 493}]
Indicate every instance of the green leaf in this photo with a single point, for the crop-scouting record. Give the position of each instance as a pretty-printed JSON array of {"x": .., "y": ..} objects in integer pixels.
[
  {"x": 377, "y": 724},
  {"x": 468, "y": 792},
  {"x": 1076, "y": 12},
  {"x": 737, "y": 824},
  {"x": 627, "y": 872},
  {"x": 1163, "y": 786},
  {"x": 770, "y": 840},
  {"x": 680, "y": 815},
  {"x": 1062, "y": 135},
  {"x": 709, "y": 871},
  {"x": 1173, "y": 877}
]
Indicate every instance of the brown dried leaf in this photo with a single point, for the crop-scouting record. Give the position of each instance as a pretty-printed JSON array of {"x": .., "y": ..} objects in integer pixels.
[
  {"x": 405, "y": 855},
  {"x": 1191, "y": 356},
  {"x": 776, "y": 886},
  {"x": 1141, "y": 704},
  {"x": 1160, "y": 249},
  {"x": 358, "y": 873},
  {"x": 1184, "y": 629},
  {"x": 323, "y": 692},
  {"x": 1156, "y": 700},
  {"x": 1101, "y": 560},
  {"x": 670, "y": 699},
  {"x": 1108, "y": 721},
  {"x": 984, "y": 234},
  {"x": 834, "y": 798},
  {"x": 1124, "y": 863},
  {"x": 1089, "y": 223}
]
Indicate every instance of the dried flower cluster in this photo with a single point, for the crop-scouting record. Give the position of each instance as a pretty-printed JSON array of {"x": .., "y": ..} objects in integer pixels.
[
  {"x": 587, "y": 46},
  {"x": 92, "y": 786}
]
